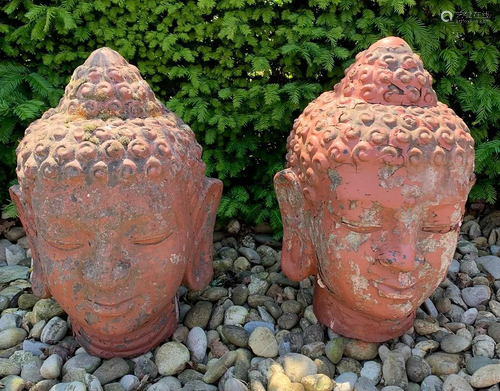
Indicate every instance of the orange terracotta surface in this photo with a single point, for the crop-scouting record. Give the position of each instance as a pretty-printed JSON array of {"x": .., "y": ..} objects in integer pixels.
[
  {"x": 374, "y": 193},
  {"x": 113, "y": 197}
]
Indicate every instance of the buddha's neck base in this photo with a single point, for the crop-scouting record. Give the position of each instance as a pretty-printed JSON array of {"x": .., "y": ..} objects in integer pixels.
[
  {"x": 132, "y": 344},
  {"x": 349, "y": 323}
]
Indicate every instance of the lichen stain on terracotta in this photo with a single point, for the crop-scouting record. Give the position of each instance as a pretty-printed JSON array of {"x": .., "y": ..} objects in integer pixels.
[
  {"x": 374, "y": 192},
  {"x": 116, "y": 206}
]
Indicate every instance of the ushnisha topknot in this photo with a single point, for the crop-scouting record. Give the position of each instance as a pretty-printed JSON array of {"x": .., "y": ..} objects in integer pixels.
[
  {"x": 384, "y": 111},
  {"x": 108, "y": 127}
]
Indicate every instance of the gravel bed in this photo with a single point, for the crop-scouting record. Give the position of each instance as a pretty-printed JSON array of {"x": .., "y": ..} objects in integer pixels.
[{"x": 253, "y": 329}]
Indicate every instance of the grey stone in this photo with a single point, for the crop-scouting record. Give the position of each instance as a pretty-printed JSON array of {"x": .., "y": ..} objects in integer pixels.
[
  {"x": 345, "y": 382},
  {"x": 14, "y": 254},
  {"x": 258, "y": 286},
  {"x": 10, "y": 321},
  {"x": 51, "y": 367},
  {"x": 4, "y": 243},
  {"x": 250, "y": 254},
  {"x": 456, "y": 383},
  {"x": 236, "y": 335},
  {"x": 218, "y": 368},
  {"x": 46, "y": 309},
  {"x": 474, "y": 363},
  {"x": 490, "y": 264},
  {"x": 11, "y": 337},
  {"x": 86, "y": 361},
  {"x": 145, "y": 367},
  {"x": 8, "y": 367},
  {"x": 313, "y": 350},
  {"x": 92, "y": 383},
  {"x": 13, "y": 383},
  {"x": 263, "y": 342},
  {"x": 242, "y": 364},
  {"x": 452, "y": 343},
  {"x": 4, "y": 302},
  {"x": 197, "y": 343},
  {"x": 235, "y": 315},
  {"x": 168, "y": 383},
  {"x": 34, "y": 347},
  {"x": 349, "y": 365},
  {"x": 197, "y": 385},
  {"x": 475, "y": 295},
  {"x": 72, "y": 386},
  {"x": 12, "y": 273},
  {"x": 483, "y": 345},
  {"x": 469, "y": 316},
  {"x": 22, "y": 358},
  {"x": 417, "y": 369},
  {"x": 198, "y": 315},
  {"x": 469, "y": 267},
  {"x": 431, "y": 383},
  {"x": 54, "y": 331},
  {"x": 360, "y": 350},
  {"x": 486, "y": 376},
  {"x": 171, "y": 358},
  {"x": 240, "y": 294},
  {"x": 494, "y": 331},
  {"x": 30, "y": 372},
  {"x": 214, "y": 293},
  {"x": 364, "y": 384},
  {"x": 464, "y": 247},
  {"x": 394, "y": 371},
  {"x": 251, "y": 326},
  {"x": 287, "y": 321},
  {"x": 111, "y": 370},
  {"x": 130, "y": 382},
  {"x": 444, "y": 363},
  {"x": 372, "y": 370}
]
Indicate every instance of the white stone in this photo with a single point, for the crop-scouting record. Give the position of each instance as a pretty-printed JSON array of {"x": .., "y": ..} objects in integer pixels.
[
  {"x": 263, "y": 342},
  {"x": 171, "y": 358},
  {"x": 235, "y": 315},
  {"x": 130, "y": 382},
  {"x": 345, "y": 382},
  {"x": 51, "y": 367},
  {"x": 197, "y": 343},
  {"x": 373, "y": 371}
]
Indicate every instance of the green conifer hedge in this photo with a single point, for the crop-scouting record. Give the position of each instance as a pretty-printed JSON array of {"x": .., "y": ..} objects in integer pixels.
[{"x": 240, "y": 71}]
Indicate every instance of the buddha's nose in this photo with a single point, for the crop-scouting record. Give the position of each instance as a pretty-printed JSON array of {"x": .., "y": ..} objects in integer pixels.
[
  {"x": 403, "y": 258},
  {"x": 107, "y": 269}
]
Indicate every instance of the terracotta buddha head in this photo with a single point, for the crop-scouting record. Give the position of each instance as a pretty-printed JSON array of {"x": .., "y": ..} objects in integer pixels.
[
  {"x": 374, "y": 193},
  {"x": 114, "y": 199}
]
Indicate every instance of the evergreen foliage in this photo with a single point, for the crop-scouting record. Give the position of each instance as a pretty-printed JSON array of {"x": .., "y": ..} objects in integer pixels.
[{"x": 240, "y": 71}]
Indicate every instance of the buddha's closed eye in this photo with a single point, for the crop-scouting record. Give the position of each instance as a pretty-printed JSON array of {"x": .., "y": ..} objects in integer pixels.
[
  {"x": 151, "y": 240},
  {"x": 65, "y": 246},
  {"x": 359, "y": 227},
  {"x": 441, "y": 229}
]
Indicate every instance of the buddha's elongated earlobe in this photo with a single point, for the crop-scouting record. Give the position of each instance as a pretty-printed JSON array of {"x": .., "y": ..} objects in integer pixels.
[
  {"x": 27, "y": 219},
  {"x": 199, "y": 269},
  {"x": 298, "y": 259}
]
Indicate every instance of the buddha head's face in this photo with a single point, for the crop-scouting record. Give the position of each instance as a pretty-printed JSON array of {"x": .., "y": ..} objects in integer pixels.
[
  {"x": 118, "y": 210},
  {"x": 375, "y": 190}
]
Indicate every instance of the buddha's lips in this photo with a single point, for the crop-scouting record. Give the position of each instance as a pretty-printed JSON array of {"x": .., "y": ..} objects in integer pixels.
[
  {"x": 111, "y": 309},
  {"x": 396, "y": 293}
]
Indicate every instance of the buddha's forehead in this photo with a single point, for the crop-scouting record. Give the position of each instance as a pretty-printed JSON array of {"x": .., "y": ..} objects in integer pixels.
[
  {"x": 145, "y": 199},
  {"x": 394, "y": 187}
]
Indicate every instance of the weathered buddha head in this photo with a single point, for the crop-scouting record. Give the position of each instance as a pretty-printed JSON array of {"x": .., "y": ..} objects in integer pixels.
[
  {"x": 116, "y": 206},
  {"x": 374, "y": 193}
]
